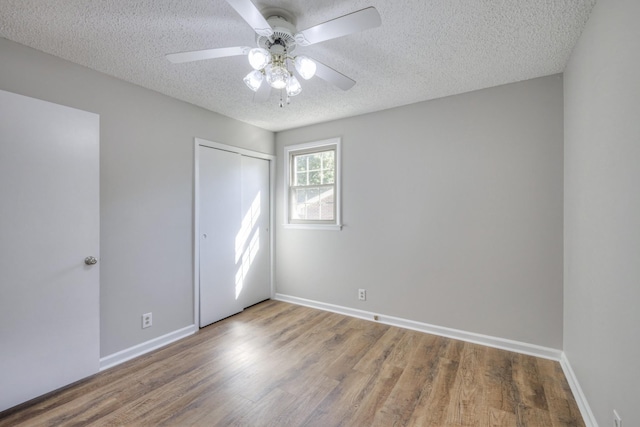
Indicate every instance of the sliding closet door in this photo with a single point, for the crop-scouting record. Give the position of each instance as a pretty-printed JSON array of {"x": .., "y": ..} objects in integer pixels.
[
  {"x": 234, "y": 238},
  {"x": 254, "y": 243},
  {"x": 220, "y": 221}
]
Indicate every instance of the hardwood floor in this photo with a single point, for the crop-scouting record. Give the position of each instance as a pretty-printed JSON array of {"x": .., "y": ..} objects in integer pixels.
[{"x": 278, "y": 364}]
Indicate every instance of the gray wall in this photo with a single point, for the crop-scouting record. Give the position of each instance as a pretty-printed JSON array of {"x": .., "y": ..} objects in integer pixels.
[
  {"x": 602, "y": 211},
  {"x": 452, "y": 211},
  {"x": 146, "y": 173}
]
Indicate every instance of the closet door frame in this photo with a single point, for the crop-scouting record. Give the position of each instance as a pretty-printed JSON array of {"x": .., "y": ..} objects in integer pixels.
[{"x": 198, "y": 143}]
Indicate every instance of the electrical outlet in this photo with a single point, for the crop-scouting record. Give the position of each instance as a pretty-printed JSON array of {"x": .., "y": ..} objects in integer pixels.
[
  {"x": 617, "y": 421},
  {"x": 147, "y": 320},
  {"x": 362, "y": 294}
]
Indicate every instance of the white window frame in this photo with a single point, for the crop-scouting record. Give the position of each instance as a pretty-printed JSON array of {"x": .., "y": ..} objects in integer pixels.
[{"x": 311, "y": 147}]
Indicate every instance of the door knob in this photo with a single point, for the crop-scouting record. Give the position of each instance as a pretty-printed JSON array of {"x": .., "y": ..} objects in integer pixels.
[{"x": 90, "y": 260}]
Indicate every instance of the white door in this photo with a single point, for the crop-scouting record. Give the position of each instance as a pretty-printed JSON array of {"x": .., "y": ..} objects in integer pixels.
[
  {"x": 255, "y": 262},
  {"x": 234, "y": 258},
  {"x": 220, "y": 223},
  {"x": 49, "y": 223}
]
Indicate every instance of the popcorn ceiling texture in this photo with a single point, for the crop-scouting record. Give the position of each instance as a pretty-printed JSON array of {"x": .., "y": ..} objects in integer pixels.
[{"x": 423, "y": 50}]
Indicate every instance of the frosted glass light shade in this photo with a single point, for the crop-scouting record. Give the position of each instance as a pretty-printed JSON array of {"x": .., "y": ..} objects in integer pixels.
[
  {"x": 293, "y": 87},
  {"x": 259, "y": 58},
  {"x": 254, "y": 80},
  {"x": 277, "y": 76},
  {"x": 305, "y": 67}
]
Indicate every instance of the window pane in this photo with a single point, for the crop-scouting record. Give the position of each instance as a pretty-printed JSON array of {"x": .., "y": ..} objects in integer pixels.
[
  {"x": 300, "y": 211},
  {"x": 313, "y": 203},
  {"x": 326, "y": 204},
  {"x": 320, "y": 166},
  {"x": 301, "y": 163},
  {"x": 328, "y": 167},
  {"x": 315, "y": 178},
  {"x": 328, "y": 159},
  {"x": 315, "y": 161},
  {"x": 312, "y": 195},
  {"x": 328, "y": 177},
  {"x": 301, "y": 179},
  {"x": 301, "y": 196}
]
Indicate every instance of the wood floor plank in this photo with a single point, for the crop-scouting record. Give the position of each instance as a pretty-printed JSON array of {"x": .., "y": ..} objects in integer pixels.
[
  {"x": 454, "y": 350},
  {"x": 294, "y": 414},
  {"x": 402, "y": 351},
  {"x": 374, "y": 395},
  {"x": 278, "y": 364},
  {"x": 499, "y": 379},
  {"x": 416, "y": 380},
  {"x": 528, "y": 382},
  {"x": 431, "y": 410},
  {"x": 499, "y": 418},
  {"x": 466, "y": 406},
  {"x": 355, "y": 348},
  {"x": 273, "y": 404},
  {"x": 341, "y": 403},
  {"x": 528, "y": 416},
  {"x": 213, "y": 409},
  {"x": 563, "y": 409},
  {"x": 378, "y": 354}
]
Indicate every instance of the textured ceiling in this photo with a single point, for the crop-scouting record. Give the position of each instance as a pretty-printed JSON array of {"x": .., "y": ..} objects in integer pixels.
[{"x": 423, "y": 50}]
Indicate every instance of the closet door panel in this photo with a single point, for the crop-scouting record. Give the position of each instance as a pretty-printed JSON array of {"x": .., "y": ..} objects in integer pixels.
[
  {"x": 254, "y": 267},
  {"x": 220, "y": 177}
]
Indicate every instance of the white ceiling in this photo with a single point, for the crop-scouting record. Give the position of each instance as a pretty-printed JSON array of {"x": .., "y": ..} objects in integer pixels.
[{"x": 425, "y": 49}]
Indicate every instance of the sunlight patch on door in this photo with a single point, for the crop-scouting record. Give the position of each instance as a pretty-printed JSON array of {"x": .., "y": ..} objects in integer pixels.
[{"x": 247, "y": 243}]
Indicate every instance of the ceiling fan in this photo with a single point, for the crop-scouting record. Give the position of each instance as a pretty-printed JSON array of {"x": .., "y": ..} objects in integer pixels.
[{"x": 276, "y": 39}]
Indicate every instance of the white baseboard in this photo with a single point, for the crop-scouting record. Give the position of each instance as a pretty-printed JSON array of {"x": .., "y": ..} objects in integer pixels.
[
  {"x": 501, "y": 343},
  {"x": 581, "y": 400},
  {"x": 145, "y": 347}
]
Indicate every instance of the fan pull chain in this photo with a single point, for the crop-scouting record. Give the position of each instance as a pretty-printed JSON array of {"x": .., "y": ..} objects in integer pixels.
[{"x": 284, "y": 101}]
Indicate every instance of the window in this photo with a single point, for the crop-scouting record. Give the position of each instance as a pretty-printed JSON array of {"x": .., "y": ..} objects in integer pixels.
[{"x": 313, "y": 185}]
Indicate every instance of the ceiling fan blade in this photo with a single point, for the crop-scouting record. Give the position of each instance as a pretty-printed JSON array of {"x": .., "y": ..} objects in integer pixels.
[
  {"x": 332, "y": 76},
  {"x": 198, "y": 55},
  {"x": 263, "y": 93},
  {"x": 250, "y": 13},
  {"x": 348, "y": 24}
]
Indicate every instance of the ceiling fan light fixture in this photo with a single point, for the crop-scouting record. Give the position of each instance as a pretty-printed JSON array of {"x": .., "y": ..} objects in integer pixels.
[
  {"x": 253, "y": 80},
  {"x": 277, "y": 76},
  {"x": 259, "y": 58},
  {"x": 293, "y": 87},
  {"x": 305, "y": 67}
]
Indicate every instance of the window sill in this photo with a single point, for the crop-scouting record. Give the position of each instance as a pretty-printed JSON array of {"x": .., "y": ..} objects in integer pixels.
[{"x": 329, "y": 227}]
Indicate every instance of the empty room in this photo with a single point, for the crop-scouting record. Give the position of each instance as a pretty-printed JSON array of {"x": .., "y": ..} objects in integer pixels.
[{"x": 289, "y": 213}]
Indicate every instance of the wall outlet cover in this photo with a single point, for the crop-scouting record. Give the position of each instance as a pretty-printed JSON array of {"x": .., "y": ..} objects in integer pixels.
[{"x": 147, "y": 320}]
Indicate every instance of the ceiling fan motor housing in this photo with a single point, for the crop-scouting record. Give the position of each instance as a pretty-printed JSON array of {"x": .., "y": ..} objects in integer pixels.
[{"x": 282, "y": 41}]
